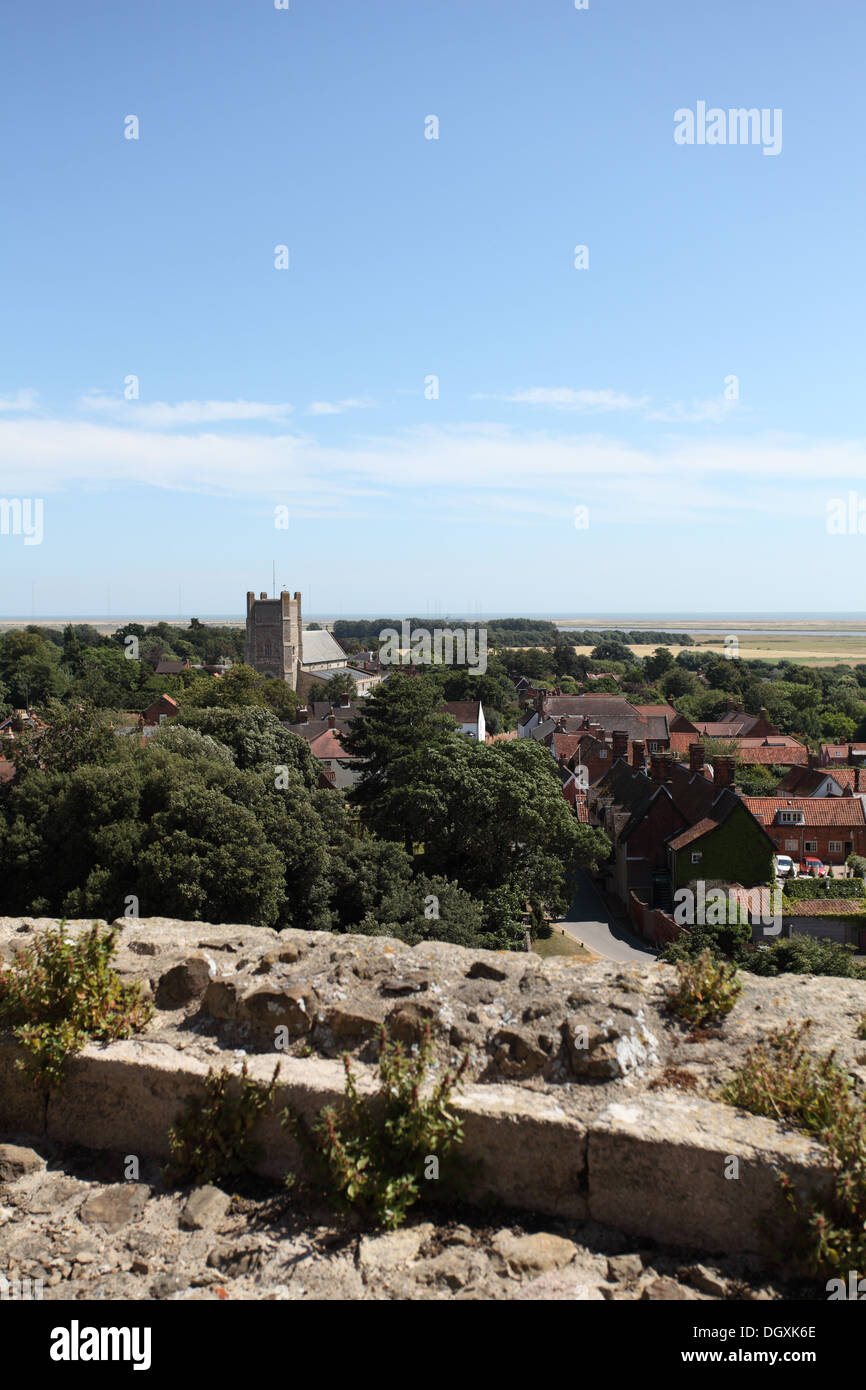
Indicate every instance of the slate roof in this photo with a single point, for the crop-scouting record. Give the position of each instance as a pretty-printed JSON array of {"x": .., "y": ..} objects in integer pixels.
[
  {"x": 464, "y": 711},
  {"x": 318, "y": 647}
]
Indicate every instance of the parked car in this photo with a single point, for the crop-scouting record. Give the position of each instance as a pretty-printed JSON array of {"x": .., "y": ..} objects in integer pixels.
[
  {"x": 813, "y": 867},
  {"x": 785, "y": 866}
]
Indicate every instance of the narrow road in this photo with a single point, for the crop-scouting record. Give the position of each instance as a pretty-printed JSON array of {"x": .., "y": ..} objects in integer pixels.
[{"x": 589, "y": 922}]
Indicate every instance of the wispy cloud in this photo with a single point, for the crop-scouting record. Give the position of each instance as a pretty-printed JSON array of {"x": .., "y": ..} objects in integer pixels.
[
  {"x": 339, "y": 407},
  {"x": 596, "y": 402},
  {"x": 159, "y": 415},
  {"x": 488, "y": 469},
  {"x": 24, "y": 399},
  {"x": 679, "y": 414},
  {"x": 565, "y": 398}
]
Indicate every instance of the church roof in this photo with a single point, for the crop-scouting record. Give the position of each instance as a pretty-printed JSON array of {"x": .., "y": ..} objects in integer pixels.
[{"x": 321, "y": 647}]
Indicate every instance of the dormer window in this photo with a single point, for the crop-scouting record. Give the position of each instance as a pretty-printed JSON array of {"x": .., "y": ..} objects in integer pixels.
[{"x": 790, "y": 817}]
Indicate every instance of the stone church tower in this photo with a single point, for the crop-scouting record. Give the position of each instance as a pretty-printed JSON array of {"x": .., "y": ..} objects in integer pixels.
[{"x": 274, "y": 643}]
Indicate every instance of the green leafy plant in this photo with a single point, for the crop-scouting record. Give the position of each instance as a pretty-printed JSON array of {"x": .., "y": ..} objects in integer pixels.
[
  {"x": 212, "y": 1139},
  {"x": 370, "y": 1156},
  {"x": 781, "y": 1079},
  {"x": 706, "y": 989},
  {"x": 60, "y": 992}
]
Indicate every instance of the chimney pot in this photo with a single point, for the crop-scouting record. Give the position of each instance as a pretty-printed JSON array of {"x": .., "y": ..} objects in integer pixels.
[
  {"x": 638, "y": 754},
  {"x": 696, "y": 757}
]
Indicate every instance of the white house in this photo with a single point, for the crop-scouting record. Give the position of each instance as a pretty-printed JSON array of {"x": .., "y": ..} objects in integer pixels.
[{"x": 469, "y": 715}]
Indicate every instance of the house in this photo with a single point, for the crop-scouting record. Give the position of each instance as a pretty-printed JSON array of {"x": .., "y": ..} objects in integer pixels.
[
  {"x": 327, "y": 747},
  {"x": 822, "y": 781},
  {"x": 600, "y": 714},
  {"x": 832, "y": 827},
  {"x": 171, "y": 668},
  {"x": 834, "y": 754},
  {"x": 676, "y": 825},
  {"x": 163, "y": 708},
  {"x": 317, "y": 716},
  {"x": 21, "y": 721},
  {"x": 469, "y": 715},
  {"x": 772, "y": 751}
]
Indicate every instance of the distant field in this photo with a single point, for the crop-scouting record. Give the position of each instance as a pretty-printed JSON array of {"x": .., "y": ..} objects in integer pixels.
[{"x": 808, "y": 651}]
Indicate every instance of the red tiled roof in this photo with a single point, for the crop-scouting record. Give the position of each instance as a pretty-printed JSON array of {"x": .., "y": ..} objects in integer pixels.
[
  {"x": 822, "y": 810},
  {"x": 565, "y": 746},
  {"x": 693, "y": 833},
  {"x": 681, "y": 743},
  {"x": 771, "y": 751},
  {"x": 327, "y": 745}
]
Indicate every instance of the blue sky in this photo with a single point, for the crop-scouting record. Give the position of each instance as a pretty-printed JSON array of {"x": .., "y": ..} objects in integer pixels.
[{"x": 259, "y": 387}]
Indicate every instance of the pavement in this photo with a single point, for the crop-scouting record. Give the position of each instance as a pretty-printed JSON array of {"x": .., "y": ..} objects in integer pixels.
[{"x": 589, "y": 922}]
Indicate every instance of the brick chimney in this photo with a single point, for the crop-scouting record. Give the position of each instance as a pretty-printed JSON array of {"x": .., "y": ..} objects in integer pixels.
[
  {"x": 723, "y": 769},
  {"x": 850, "y": 755},
  {"x": 620, "y": 743},
  {"x": 638, "y": 755},
  {"x": 332, "y": 720},
  {"x": 303, "y": 715},
  {"x": 657, "y": 767},
  {"x": 697, "y": 757}
]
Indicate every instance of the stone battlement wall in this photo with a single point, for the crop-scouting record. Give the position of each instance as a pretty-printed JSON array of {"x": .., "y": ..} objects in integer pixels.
[{"x": 584, "y": 1097}]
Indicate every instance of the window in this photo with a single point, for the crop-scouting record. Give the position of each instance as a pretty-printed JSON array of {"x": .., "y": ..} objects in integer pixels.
[
  {"x": 835, "y": 846},
  {"x": 602, "y": 752},
  {"x": 791, "y": 845},
  {"x": 697, "y": 857},
  {"x": 790, "y": 817},
  {"x": 811, "y": 846}
]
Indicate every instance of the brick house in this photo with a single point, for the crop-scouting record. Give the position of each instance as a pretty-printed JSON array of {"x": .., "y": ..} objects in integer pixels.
[
  {"x": 676, "y": 825},
  {"x": 163, "y": 708},
  {"x": 832, "y": 827}
]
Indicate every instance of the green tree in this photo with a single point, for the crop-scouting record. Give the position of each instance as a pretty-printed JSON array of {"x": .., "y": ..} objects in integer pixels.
[{"x": 656, "y": 665}]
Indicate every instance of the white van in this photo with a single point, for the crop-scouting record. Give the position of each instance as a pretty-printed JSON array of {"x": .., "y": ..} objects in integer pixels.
[{"x": 785, "y": 866}]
